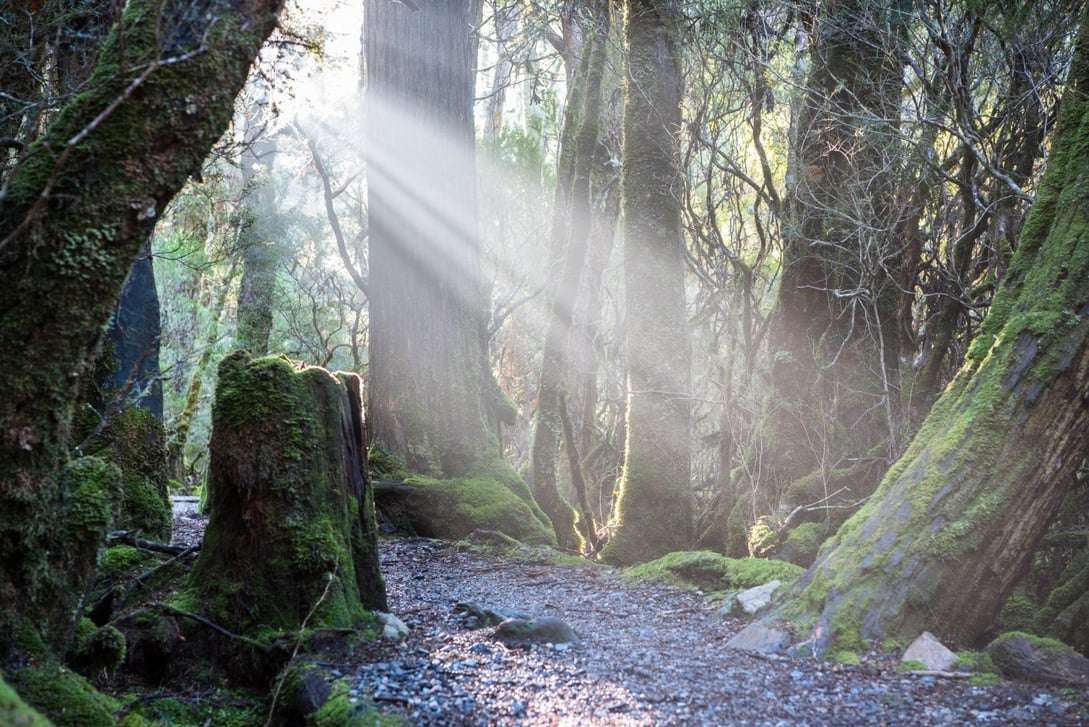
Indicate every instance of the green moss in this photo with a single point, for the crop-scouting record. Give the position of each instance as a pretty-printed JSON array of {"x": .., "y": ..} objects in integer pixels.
[
  {"x": 803, "y": 543},
  {"x": 386, "y": 466},
  {"x": 344, "y": 710},
  {"x": 64, "y": 697},
  {"x": 93, "y": 485},
  {"x": 911, "y": 665},
  {"x": 985, "y": 679},
  {"x": 465, "y": 504},
  {"x": 118, "y": 559},
  {"x": 102, "y": 650},
  {"x": 973, "y": 661},
  {"x": 710, "y": 571},
  {"x": 14, "y": 712},
  {"x": 846, "y": 657}
]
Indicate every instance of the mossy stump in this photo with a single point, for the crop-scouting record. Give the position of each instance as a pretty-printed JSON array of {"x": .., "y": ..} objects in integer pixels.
[{"x": 291, "y": 538}]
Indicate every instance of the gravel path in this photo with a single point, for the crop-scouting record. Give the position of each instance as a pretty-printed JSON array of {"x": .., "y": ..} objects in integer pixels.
[{"x": 649, "y": 655}]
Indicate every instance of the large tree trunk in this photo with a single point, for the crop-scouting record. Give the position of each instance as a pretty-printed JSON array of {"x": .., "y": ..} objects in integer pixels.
[
  {"x": 428, "y": 347},
  {"x": 288, "y": 489},
  {"x": 78, "y": 209},
  {"x": 954, "y": 524},
  {"x": 653, "y": 511},
  {"x": 833, "y": 336}
]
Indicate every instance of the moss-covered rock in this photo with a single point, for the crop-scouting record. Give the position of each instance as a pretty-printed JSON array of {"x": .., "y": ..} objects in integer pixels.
[
  {"x": 710, "y": 571},
  {"x": 102, "y": 650},
  {"x": 803, "y": 543},
  {"x": 1030, "y": 658},
  {"x": 64, "y": 697}
]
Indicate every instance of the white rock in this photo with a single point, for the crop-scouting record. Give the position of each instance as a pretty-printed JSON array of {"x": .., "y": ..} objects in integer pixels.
[
  {"x": 755, "y": 599},
  {"x": 926, "y": 649},
  {"x": 393, "y": 628}
]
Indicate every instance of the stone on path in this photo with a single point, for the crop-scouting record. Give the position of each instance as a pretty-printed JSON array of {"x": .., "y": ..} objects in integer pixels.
[
  {"x": 759, "y": 639},
  {"x": 927, "y": 650},
  {"x": 754, "y": 599},
  {"x": 544, "y": 630}
]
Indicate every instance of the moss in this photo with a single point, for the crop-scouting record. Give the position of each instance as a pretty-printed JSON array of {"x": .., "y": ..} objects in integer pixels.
[
  {"x": 386, "y": 466},
  {"x": 102, "y": 650},
  {"x": 973, "y": 661},
  {"x": 985, "y": 679},
  {"x": 803, "y": 543},
  {"x": 710, "y": 571},
  {"x": 910, "y": 665},
  {"x": 14, "y": 712},
  {"x": 459, "y": 506},
  {"x": 91, "y": 507},
  {"x": 345, "y": 710},
  {"x": 118, "y": 559},
  {"x": 64, "y": 697},
  {"x": 846, "y": 657}
]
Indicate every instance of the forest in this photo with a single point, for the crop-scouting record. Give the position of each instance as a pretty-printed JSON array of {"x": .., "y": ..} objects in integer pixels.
[{"x": 379, "y": 295}]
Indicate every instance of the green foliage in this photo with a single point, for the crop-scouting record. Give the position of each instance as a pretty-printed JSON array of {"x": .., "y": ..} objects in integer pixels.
[
  {"x": 101, "y": 650},
  {"x": 93, "y": 484}
]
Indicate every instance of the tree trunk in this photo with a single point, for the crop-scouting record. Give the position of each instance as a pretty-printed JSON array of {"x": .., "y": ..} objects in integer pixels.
[
  {"x": 833, "y": 336},
  {"x": 571, "y": 226},
  {"x": 79, "y": 207},
  {"x": 954, "y": 524},
  {"x": 122, "y": 421},
  {"x": 287, "y": 489},
  {"x": 428, "y": 347},
  {"x": 653, "y": 511}
]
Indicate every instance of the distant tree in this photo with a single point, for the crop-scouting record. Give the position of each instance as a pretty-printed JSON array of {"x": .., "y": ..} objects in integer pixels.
[
  {"x": 653, "y": 509},
  {"x": 570, "y": 240},
  {"x": 77, "y": 208},
  {"x": 955, "y": 523}
]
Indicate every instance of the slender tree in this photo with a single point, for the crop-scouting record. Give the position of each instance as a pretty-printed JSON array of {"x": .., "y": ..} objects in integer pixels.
[
  {"x": 954, "y": 524},
  {"x": 653, "y": 509}
]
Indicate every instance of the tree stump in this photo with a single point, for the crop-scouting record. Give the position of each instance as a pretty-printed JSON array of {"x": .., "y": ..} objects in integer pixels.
[{"x": 291, "y": 538}]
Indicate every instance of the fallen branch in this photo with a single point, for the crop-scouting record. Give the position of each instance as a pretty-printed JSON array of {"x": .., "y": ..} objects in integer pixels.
[
  {"x": 127, "y": 538},
  {"x": 214, "y": 626}
]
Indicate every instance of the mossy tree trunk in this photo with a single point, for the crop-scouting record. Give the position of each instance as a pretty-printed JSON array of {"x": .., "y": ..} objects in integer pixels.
[
  {"x": 833, "y": 336},
  {"x": 287, "y": 489},
  {"x": 428, "y": 370},
  {"x": 78, "y": 209},
  {"x": 954, "y": 524},
  {"x": 653, "y": 509},
  {"x": 571, "y": 236}
]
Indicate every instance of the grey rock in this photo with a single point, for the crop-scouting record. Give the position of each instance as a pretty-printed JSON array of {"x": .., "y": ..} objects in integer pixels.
[
  {"x": 927, "y": 650},
  {"x": 544, "y": 630},
  {"x": 760, "y": 639},
  {"x": 1043, "y": 661},
  {"x": 754, "y": 599}
]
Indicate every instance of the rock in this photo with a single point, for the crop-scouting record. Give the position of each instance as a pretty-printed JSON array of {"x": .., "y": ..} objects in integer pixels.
[
  {"x": 755, "y": 599},
  {"x": 759, "y": 639},
  {"x": 927, "y": 650},
  {"x": 1045, "y": 661},
  {"x": 545, "y": 630},
  {"x": 393, "y": 628},
  {"x": 486, "y": 616}
]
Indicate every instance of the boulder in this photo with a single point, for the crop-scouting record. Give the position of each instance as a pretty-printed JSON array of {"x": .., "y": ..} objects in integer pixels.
[
  {"x": 1044, "y": 661},
  {"x": 927, "y": 650},
  {"x": 760, "y": 639},
  {"x": 393, "y": 628},
  {"x": 544, "y": 630},
  {"x": 754, "y": 599}
]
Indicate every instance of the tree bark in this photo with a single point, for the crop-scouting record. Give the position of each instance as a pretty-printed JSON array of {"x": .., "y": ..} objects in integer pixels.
[
  {"x": 653, "y": 510},
  {"x": 954, "y": 524},
  {"x": 78, "y": 209},
  {"x": 287, "y": 489},
  {"x": 571, "y": 233},
  {"x": 428, "y": 346}
]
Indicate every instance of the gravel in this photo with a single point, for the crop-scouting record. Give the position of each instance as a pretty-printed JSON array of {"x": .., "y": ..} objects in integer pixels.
[{"x": 649, "y": 654}]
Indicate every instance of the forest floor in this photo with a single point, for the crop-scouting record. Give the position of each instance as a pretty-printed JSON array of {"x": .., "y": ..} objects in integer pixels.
[{"x": 649, "y": 654}]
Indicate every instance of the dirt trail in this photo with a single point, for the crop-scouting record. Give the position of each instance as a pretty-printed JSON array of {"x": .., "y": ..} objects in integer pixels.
[{"x": 649, "y": 655}]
